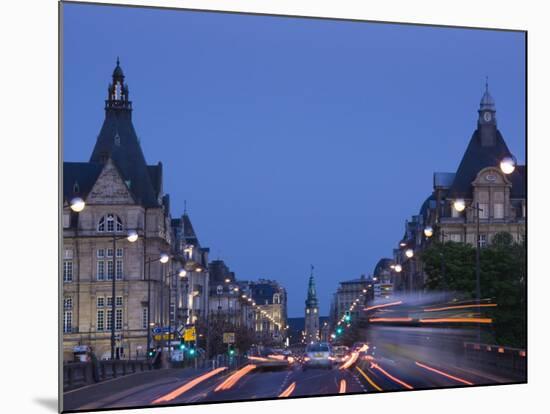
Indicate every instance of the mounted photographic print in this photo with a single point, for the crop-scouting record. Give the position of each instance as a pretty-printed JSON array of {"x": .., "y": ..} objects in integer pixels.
[{"x": 265, "y": 207}]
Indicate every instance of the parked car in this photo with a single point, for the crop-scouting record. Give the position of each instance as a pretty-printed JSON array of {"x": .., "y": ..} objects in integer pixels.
[{"x": 318, "y": 355}]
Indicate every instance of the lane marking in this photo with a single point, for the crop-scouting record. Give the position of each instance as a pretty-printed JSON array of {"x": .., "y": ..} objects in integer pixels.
[
  {"x": 443, "y": 373},
  {"x": 371, "y": 382},
  {"x": 288, "y": 391},
  {"x": 387, "y": 374},
  {"x": 187, "y": 386}
]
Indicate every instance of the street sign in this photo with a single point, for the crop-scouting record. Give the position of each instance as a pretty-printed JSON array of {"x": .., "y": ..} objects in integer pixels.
[
  {"x": 158, "y": 329},
  {"x": 229, "y": 337},
  {"x": 190, "y": 334}
]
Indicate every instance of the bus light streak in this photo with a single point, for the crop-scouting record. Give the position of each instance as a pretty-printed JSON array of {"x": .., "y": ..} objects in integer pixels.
[
  {"x": 480, "y": 305},
  {"x": 456, "y": 320},
  {"x": 443, "y": 373},
  {"x": 234, "y": 378},
  {"x": 186, "y": 387},
  {"x": 384, "y": 305},
  {"x": 390, "y": 319},
  {"x": 387, "y": 374},
  {"x": 288, "y": 391}
]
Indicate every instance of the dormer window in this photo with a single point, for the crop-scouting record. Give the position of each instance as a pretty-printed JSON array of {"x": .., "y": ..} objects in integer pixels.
[
  {"x": 109, "y": 223},
  {"x": 117, "y": 140},
  {"x": 276, "y": 299},
  {"x": 76, "y": 188}
]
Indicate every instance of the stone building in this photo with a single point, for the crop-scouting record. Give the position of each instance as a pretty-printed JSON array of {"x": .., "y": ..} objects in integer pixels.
[
  {"x": 121, "y": 193},
  {"x": 270, "y": 310},
  {"x": 349, "y": 291},
  {"x": 311, "y": 320},
  {"x": 480, "y": 182}
]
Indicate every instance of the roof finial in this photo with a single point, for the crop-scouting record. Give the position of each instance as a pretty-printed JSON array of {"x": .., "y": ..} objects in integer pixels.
[
  {"x": 486, "y": 83},
  {"x": 117, "y": 61},
  {"x": 312, "y": 270},
  {"x": 184, "y": 206}
]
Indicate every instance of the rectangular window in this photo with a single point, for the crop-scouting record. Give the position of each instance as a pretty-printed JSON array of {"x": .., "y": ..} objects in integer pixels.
[
  {"x": 119, "y": 270},
  {"x": 109, "y": 270},
  {"x": 66, "y": 220},
  {"x": 482, "y": 240},
  {"x": 498, "y": 211},
  {"x": 101, "y": 270},
  {"x": 118, "y": 301},
  {"x": 118, "y": 319},
  {"x": 67, "y": 271},
  {"x": 108, "y": 321},
  {"x": 100, "y": 320},
  {"x": 109, "y": 252},
  {"x": 100, "y": 301},
  {"x": 144, "y": 318},
  {"x": 110, "y": 224},
  {"x": 68, "y": 303},
  {"x": 68, "y": 254},
  {"x": 483, "y": 210},
  {"x": 109, "y": 301},
  {"x": 67, "y": 321},
  {"x": 455, "y": 213},
  {"x": 119, "y": 252},
  {"x": 455, "y": 237},
  {"x": 100, "y": 253}
]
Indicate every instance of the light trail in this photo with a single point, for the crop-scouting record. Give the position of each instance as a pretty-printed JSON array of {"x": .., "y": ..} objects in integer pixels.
[
  {"x": 387, "y": 374},
  {"x": 255, "y": 358},
  {"x": 456, "y": 320},
  {"x": 343, "y": 386},
  {"x": 384, "y": 305},
  {"x": 390, "y": 319},
  {"x": 350, "y": 361},
  {"x": 234, "y": 378},
  {"x": 480, "y": 305},
  {"x": 443, "y": 373},
  {"x": 371, "y": 382},
  {"x": 186, "y": 387},
  {"x": 288, "y": 391}
]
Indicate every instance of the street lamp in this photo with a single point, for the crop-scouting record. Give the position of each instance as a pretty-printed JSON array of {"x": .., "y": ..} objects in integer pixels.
[
  {"x": 459, "y": 206},
  {"x": 132, "y": 237},
  {"x": 409, "y": 253},
  {"x": 163, "y": 258},
  {"x": 508, "y": 165},
  {"x": 77, "y": 204},
  {"x": 428, "y": 231},
  {"x": 398, "y": 268}
]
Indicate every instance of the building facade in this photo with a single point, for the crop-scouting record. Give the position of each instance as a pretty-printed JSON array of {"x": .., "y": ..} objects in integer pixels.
[
  {"x": 269, "y": 305},
  {"x": 122, "y": 193}
]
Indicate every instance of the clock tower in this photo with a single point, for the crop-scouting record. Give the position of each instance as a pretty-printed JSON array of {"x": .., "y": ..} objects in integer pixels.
[
  {"x": 312, "y": 312},
  {"x": 487, "y": 122}
]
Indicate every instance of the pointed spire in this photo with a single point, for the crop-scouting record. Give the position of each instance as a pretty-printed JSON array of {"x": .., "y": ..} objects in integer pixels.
[
  {"x": 311, "y": 291},
  {"x": 487, "y": 102}
]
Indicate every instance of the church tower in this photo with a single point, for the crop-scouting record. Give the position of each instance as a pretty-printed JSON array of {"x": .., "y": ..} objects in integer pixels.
[{"x": 312, "y": 312}]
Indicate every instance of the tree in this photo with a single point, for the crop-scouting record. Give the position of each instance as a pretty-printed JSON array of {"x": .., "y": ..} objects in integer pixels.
[{"x": 502, "y": 278}]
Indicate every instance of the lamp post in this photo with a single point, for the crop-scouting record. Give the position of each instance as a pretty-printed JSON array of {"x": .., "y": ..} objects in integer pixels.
[
  {"x": 132, "y": 237},
  {"x": 460, "y": 205},
  {"x": 164, "y": 258}
]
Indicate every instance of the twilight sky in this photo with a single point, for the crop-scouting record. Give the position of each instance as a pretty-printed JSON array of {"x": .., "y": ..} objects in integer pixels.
[{"x": 294, "y": 141}]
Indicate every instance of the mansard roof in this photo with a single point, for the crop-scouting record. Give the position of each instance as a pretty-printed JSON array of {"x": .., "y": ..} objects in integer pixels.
[
  {"x": 477, "y": 157},
  {"x": 79, "y": 178},
  {"x": 117, "y": 140}
]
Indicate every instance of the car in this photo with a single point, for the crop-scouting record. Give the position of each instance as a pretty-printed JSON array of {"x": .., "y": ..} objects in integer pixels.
[
  {"x": 318, "y": 355},
  {"x": 269, "y": 359},
  {"x": 340, "y": 353}
]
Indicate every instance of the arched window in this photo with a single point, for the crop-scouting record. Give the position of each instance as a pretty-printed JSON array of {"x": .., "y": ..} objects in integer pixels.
[
  {"x": 276, "y": 299},
  {"x": 109, "y": 223}
]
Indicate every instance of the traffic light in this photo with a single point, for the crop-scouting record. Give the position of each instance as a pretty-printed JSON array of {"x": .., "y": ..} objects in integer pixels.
[
  {"x": 151, "y": 353},
  {"x": 192, "y": 351},
  {"x": 231, "y": 350},
  {"x": 339, "y": 330},
  {"x": 182, "y": 346},
  {"x": 347, "y": 317}
]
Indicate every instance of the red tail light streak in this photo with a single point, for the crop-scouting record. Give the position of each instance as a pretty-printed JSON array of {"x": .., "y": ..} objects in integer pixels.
[
  {"x": 234, "y": 378},
  {"x": 384, "y": 305},
  {"x": 186, "y": 387},
  {"x": 456, "y": 320},
  {"x": 387, "y": 374},
  {"x": 288, "y": 391},
  {"x": 463, "y": 381},
  {"x": 479, "y": 305}
]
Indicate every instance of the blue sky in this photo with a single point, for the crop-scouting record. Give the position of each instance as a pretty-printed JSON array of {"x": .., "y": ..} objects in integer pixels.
[{"x": 294, "y": 141}]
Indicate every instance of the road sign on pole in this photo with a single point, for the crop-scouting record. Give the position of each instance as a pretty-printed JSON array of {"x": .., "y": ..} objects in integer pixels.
[{"x": 190, "y": 334}]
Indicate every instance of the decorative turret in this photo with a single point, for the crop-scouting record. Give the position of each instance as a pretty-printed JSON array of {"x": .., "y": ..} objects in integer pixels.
[{"x": 117, "y": 95}]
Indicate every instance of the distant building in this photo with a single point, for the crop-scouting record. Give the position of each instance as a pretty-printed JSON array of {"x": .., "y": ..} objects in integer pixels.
[
  {"x": 347, "y": 293},
  {"x": 311, "y": 321},
  {"x": 270, "y": 312}
]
